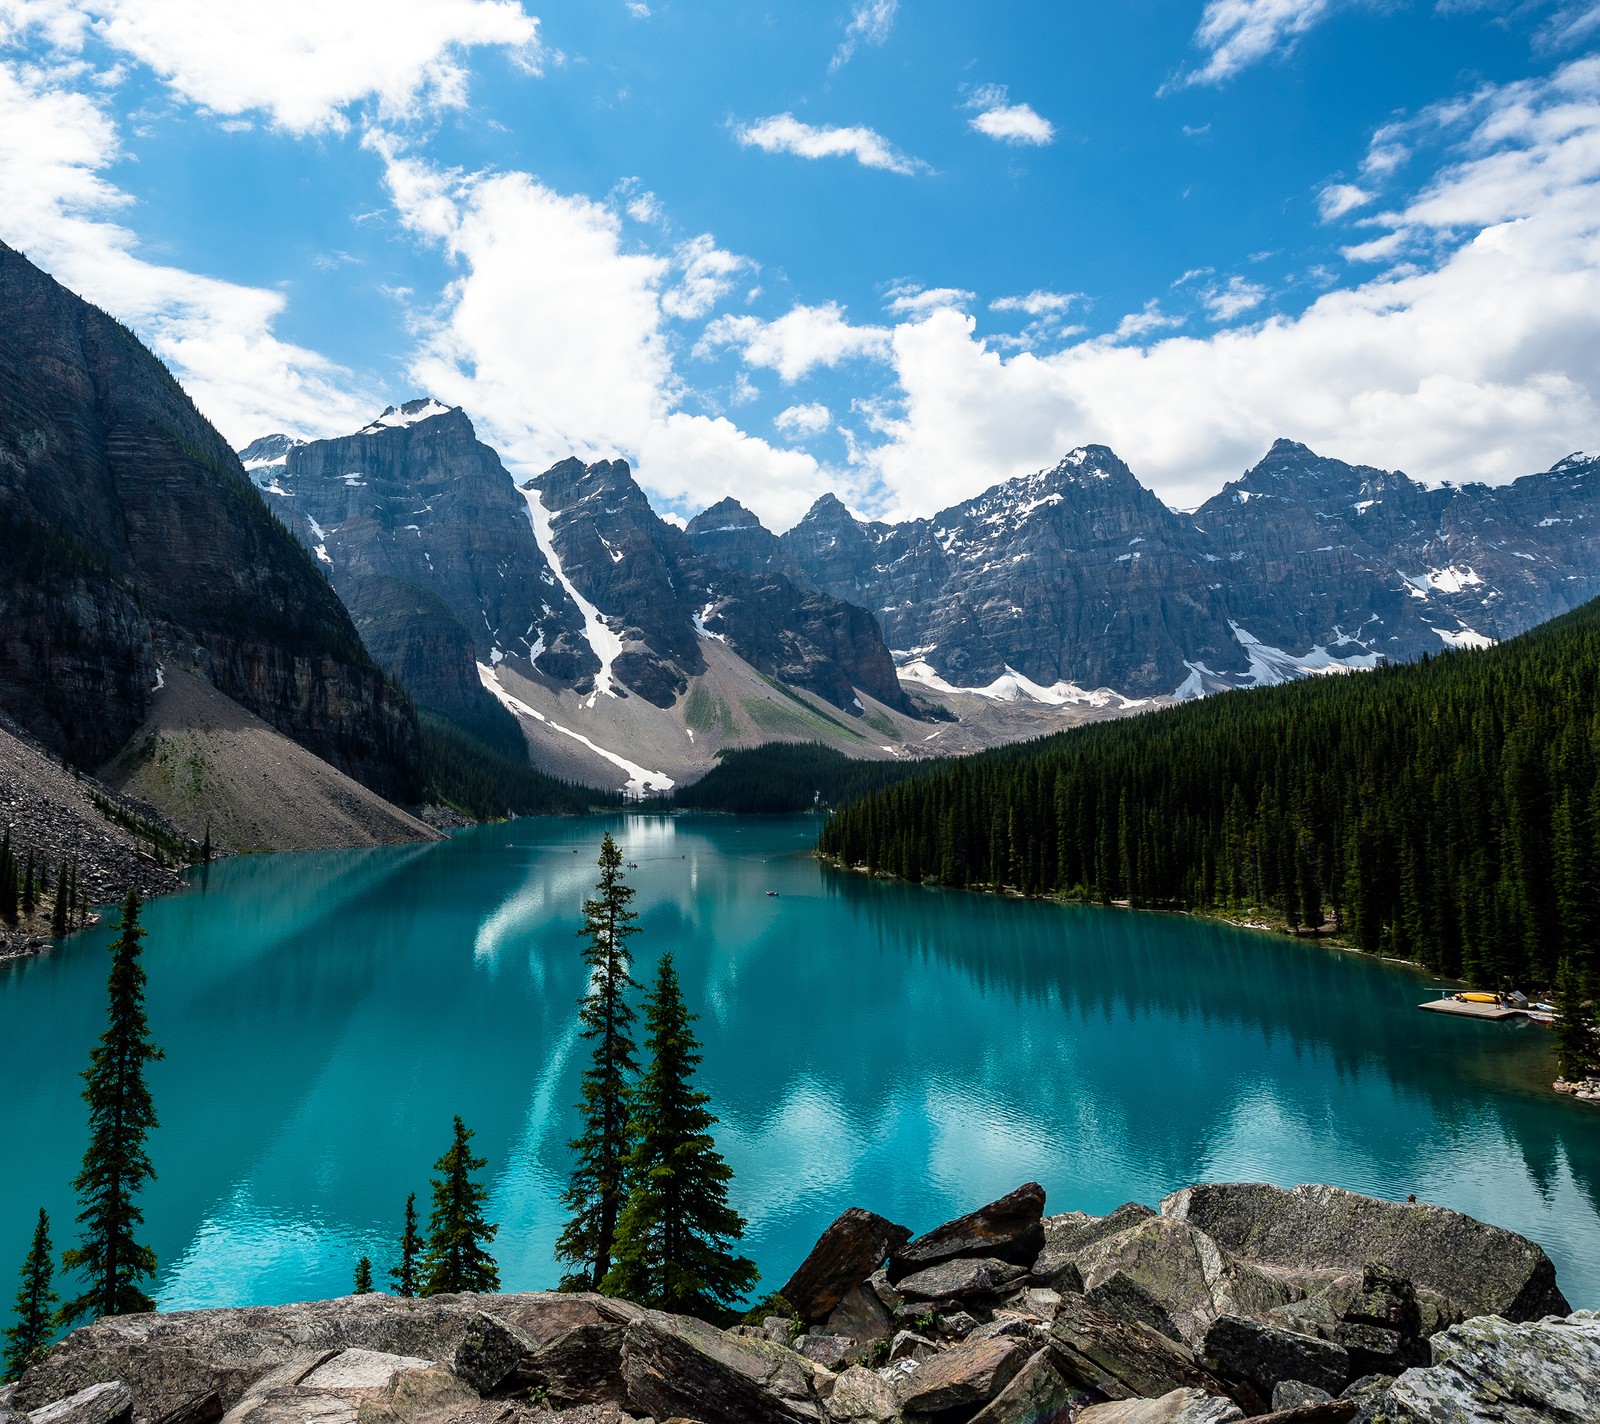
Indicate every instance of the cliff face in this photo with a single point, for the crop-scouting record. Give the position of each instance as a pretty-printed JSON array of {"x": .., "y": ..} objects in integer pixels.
[
  {"x": 620, "y": 555},
  {"x": 132, "y": 535},
  {"x": 1080, "y": 575}
]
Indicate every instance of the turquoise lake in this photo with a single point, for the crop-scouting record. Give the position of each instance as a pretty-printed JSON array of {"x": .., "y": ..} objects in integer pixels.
[{"x": 913, "y": 1051}]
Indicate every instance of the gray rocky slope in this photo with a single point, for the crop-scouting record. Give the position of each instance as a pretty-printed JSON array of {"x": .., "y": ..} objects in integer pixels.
[
  {"x": 1312, "y": 1305},
  {"x": 445, "y": 563},
  {"x": 1080, "y": 576}
]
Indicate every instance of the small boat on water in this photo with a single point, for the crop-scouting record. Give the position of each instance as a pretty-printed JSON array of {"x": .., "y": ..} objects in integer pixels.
[{"x": 772, "y": 894}]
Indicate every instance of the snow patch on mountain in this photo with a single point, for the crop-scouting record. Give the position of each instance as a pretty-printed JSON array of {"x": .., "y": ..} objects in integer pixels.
[
  {"x": 413, "y": 412},
  {"x": 641, "y": 780},
  {"x": 1013, "y": 686},
  {"x": 1463, "y": 637},
  {"x": 1271, "y": 666},
  {"x": 603, "y": 641}
]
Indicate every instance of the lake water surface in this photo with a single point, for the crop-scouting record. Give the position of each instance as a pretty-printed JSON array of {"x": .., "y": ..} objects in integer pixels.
[{"x": 913, "y": 1051}]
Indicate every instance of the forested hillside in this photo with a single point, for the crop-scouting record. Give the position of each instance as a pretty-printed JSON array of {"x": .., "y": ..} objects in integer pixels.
[{"x": 1446, "y": 811}]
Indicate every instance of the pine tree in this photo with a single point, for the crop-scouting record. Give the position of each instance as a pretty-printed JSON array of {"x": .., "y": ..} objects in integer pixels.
[
  {"x": 675, "y": 1232},
  {"x": 58, "y": 914},
  {"x": 598, "y": 1186},
  {"x": 8, "y": 880},
  {"x": 116, "y": 1165},
  {"x": 205, "y": 849},
  {"x": 29, "y": 1338},
  {"x": 457, "y": 1231},
  {"x": 363, "y": 1283},
  {"x": 404, "y": 1275},
  {"x": 30, "y": 888},
  {"x": 1577, "y": 1034}
]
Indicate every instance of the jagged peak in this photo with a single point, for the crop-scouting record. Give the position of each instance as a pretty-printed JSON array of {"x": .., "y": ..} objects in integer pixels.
[
  {"x": 828, "y": 507},
  {"x": 726, "y": 513},
  {"x": 1577, "y": 460},
  {"x": 412, "y": 412},
  {"x": 268, "y": 450}
]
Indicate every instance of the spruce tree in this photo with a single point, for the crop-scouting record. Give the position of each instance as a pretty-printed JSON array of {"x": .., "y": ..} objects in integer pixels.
[
  {"x": 674, "y": 1236},
  {"x": 30, "y": 888},
  {"x": 457, "y": 1231},
  {"x": 116, "y": 1165},
  {"x": 8, "y": 880},
  {"x": 363, "y": 1282},
  {"x": 58, "y": 914},
  {"x": 29, "y": 1338},
  {"x": 404, "y": 1275},
  {"x": 1577, "y": 1035},
  {"x": 598, "y": 1186}
]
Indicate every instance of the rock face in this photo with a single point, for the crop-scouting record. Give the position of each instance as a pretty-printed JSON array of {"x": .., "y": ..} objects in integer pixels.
[
  {"x": 1078, "y": 578},
  {"x": 1467, "y": 1266},
  {"x": 1006, "y": 1230},
  {"x": 854, "y": 1246},
  {"x": 663, "y": 597},
  {"x": 1490, "y": 1371},
  {"x": 133, "y": 538}
]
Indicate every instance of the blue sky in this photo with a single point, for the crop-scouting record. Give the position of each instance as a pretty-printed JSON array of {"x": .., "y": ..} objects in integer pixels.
[{"x": 896, "y": 248}]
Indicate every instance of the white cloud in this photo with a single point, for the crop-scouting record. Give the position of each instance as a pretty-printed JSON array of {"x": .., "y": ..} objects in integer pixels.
[
  {"x": 1141, "y": 323},
  {"x": 638, "y": 9},
  {"x": 1036, "y": 303},
  {"x": 799, "y": 341},
  {"x": 697, "y": 460},
  {"x": 303, "y": 62},
  {"x": 1232, "y": 298},
  {"x": 1239, "y": 33},
  {"x": 908, "y": 299},
  {"x": 55, "y": 143},
  {"x": 810, "y": 419},
  {"x": 871, "y": 22},
  {"x": 708, "y": 276},
  {"x": 1337, "y": 199},
  {"x": 998, "y": 118},
  {"x": 1480, "y": 362},
  {"x": 783, "y": 133}
]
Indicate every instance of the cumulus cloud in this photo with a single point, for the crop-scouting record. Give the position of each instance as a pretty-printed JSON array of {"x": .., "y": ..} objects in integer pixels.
[
  {"x": 870, "y": 23},
  {"x": 908, "y": 299},
  {"x": 708, "y": 276},
  {"x": 1227, "y": 300},
  {"x": 1238, "y": 33},
  {"x": 799, "y": 341},
  {"x": 998, "y": 118},
  {"x": 810, "y": 419},
  {"x": 553, "y": 335},
  {"x": 302, "y": 63},
  {"x": 55, "y": 144},
  {"x": 1036, "y": 303},
  {"x": 1337, "y": 199},
  {"x": 783, "y": 133},
  {"x": 1480, "y": 362}
]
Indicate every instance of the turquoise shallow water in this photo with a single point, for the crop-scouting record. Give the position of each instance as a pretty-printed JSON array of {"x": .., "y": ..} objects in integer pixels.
[{"x": 908, "y": 1050}]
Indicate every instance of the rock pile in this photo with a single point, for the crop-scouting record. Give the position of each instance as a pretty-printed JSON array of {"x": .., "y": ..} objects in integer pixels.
[{"x": 1231, "y": 1302}]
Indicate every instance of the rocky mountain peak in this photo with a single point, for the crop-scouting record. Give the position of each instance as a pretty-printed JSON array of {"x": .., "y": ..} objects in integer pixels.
[
  {"x": 725, "y": 516},
  {"x": 413, "y": 412}
]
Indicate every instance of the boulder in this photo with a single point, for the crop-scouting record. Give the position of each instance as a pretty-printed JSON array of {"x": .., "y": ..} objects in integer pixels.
[
  {"x": 1127, "y": 1361},
  {"x": 1470, "y": 1267},
  {"x": 964, "y": 1378},
  {"x": 1178, "y": 1406},
  {"x": 845, "y": 1256},
  {"x": 832, "y": 1352},
  {"x": 908, "y": 1345},
  {"x": 343, "y": 1386},
  {"x": 862, "y": 1397},
  {"x": 582, "y": 1365},
  {"x": 1039, "y": 1394},
  {"x": 982, "y": 1276},
  {"x": 673, "y": 1366},
  {"x": 107, "y": 1403},
  {"x": 1493, "y": 1371},
  {"x": 1381, "y": 1326},
  {"x": 861, "y": 1316},
  {"x": 1265, "y": 1355},
  {"x": 957, "y": 1325},
  {"x": 1291, "y": 1394},
  {"x": 1122, "y": 1296},
  {"x": 1007, "y": 1230},
  {"x": 1328, "y": 1411},
  {"x": 491, "y": 1354},
  {"x": 1069, "y": 1233},
  {"x": 1184, "y": 1271}
]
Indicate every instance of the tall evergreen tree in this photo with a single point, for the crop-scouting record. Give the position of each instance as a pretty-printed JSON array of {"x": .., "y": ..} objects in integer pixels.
[
  {"x": 116, "y": 1165},
  {"x": 363, "y": 1281},
  {"x": 30, "y": 887},
  {"x": 675, "y": 1233},
  {"x": 1577, "y": 1034},
  {"x": 29, "y": 1338},
  {"x": 58, "y": 913},
  {"x": 598, "y": 1186},
  {"x": 404, "y": 1275},
  {"x": 457, "y": 1232},
  {"x": 8, "y": 880}
]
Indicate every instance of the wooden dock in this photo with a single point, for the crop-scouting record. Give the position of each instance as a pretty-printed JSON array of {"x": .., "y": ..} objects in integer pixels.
[{"x": 1490, "y": 1013}]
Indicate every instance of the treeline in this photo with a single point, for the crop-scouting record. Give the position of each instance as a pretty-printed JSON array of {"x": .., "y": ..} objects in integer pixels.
[
  {"x": 784, "y": 777},
  {"x": 461, "y": 771},
  {"x": 1446, "y": 811}
]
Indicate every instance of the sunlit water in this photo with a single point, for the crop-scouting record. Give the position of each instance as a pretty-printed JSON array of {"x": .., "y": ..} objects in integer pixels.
[{"x": 912, "y": 1051}]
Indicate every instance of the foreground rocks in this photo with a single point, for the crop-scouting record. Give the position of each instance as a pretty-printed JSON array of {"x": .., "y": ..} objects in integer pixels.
[{"x": 1232, "y": 1302}]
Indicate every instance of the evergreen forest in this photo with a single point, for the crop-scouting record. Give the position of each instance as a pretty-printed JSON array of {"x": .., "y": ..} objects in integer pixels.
[{"x": 1446, "y": 811}]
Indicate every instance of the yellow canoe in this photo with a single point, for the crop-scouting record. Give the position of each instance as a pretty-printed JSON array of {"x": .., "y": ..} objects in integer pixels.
[{"x": 1479, "y": 998}]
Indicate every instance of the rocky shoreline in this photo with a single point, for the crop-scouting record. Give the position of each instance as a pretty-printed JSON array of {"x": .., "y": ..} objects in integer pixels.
[{"x": 1307, "y": 1306}]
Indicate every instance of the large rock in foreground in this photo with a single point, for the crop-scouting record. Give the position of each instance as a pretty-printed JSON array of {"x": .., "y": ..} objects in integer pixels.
[
  {"x": 846, "y": 1254},
  {"x": 1490, "y": 1371},
  {"x": 1469, "y": 1267},
  {"x": 1007, "y": 1230}
]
